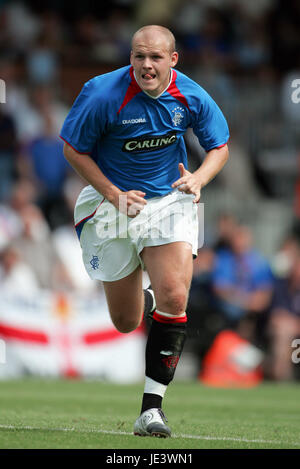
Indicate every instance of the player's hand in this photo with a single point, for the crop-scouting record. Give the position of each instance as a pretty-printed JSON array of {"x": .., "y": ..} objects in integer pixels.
[
  {"x": 131, "y": 203},
  {"x": 188, "y": 183}
]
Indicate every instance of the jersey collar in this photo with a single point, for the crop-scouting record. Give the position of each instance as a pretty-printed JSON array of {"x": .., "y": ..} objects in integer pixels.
[{"x": 132, "y": 73}]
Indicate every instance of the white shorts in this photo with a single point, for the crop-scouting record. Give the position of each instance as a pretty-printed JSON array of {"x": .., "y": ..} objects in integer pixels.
[{"x": 111, "y": 242}]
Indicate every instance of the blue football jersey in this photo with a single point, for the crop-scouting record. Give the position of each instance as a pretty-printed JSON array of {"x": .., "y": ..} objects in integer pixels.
[{"x": 136, "y": 139}]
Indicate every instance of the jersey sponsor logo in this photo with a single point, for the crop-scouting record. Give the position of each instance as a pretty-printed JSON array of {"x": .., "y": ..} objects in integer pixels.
[
  {"x": 177, "y": 115},
  {"x": 139, "y": 120},
  {"x": 149, "y": 143}
]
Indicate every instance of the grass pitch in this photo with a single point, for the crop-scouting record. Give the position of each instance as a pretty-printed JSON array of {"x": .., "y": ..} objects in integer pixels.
[{"x": 77, "y": 414}]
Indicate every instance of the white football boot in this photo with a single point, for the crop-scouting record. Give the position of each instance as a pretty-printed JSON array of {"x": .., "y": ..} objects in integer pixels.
[{"x": 152, "y": 422}]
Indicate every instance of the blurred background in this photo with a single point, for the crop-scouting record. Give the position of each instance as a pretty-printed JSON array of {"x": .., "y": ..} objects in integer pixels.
[{"x": 244, "y": 309}]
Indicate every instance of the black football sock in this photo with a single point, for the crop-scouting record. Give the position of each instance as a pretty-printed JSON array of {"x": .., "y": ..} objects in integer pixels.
[
  {"x": 149, "y": 303},
  {"x": 164, "y": 346},
  {"x": 150, "y": 401}
]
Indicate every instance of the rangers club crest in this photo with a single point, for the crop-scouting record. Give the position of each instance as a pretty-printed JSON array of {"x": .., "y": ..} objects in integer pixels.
[
  {"x": 171, "y": 362},
  {"x": 177, "y": 115},
  {"x": 95, "y": 262}
]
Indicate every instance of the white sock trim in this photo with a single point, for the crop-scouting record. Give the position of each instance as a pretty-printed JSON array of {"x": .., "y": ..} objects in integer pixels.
[
  {"x": 153, "y": 387},
  {"x": 168, "y": 315},
  {"x": 153, "y": 297}
]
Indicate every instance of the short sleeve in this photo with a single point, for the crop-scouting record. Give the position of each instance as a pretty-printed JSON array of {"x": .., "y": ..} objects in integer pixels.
[
  {"x": 86, "y": 120},
  {"x": 209, "y": 123}
]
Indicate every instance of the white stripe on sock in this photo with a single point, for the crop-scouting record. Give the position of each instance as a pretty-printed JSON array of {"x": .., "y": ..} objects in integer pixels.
[
  {"x": 168, "y": 315},
  {"x": 153, "y": 387}
]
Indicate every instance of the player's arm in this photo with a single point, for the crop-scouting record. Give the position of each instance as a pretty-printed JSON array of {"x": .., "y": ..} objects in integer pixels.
[
  {"x": 253, "y": 302},
  {"x": 192, "y": 183},
  {"x": 86, "y": 167},
  {"x": 210, "y": 126}
]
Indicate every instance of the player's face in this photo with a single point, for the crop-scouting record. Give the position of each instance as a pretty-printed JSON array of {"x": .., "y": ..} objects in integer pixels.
[{"x": 151, "y": 59}]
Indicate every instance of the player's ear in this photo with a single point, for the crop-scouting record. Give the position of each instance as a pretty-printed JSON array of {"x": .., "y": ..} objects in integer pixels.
[
  {"x": 174, "y": 58},
  {"x": 131, "y": 57}
]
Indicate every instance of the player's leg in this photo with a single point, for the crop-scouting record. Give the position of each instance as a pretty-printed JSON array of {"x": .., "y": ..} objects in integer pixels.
[
  {"x": 125, "y": 299},
  {"x": 112, "y": 260},
  {"x": 170, "y": 270}
]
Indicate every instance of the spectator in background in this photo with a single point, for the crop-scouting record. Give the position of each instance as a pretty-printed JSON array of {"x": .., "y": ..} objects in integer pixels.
[
  {"x": 23, "y": 224},
  {"x": 114, "y": 44},
  {"x": 87, "y": 33},
  {"x": 284, "y": 322},
  {"x": 43, "y": 157},
  {"x": 22, "y": 26},
  {"x": 33, "y": 241},
  {"x": 11, "y": 225},
  {"x": 242, "y": 283},
  {"x": 42, "y": 60},
  {"x": 156, "y": 11},
  {"x": 189, "y": 17},
  {"x": 284, "y": 258},
  {"x": 226, "y": 226},
  {"x": 209, "y": 42},
  {"x": 204, "y": 320},
  {"x": 16, "y": 103},
  {"x": 242, "y": 188},
  {"x": 16, "y": 276},
  {"x": 8, "y": 149},
  {"x": 66, "y": 246},
  {"x": 41, "y": 110}
]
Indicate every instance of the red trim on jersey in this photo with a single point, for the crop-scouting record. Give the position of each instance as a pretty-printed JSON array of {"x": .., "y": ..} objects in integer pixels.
[
  {"x": 217, "y": 148},
  {"x": 91, "y": 215},
  {"x": 159, "y": 318},
  {"x": 174, "y": 91},
  {"x": 132, "y": 90},
  {"x": 220, "y": 146},
  {"x": 24, "y": 335},
  {"x": 80, "y": 152}
]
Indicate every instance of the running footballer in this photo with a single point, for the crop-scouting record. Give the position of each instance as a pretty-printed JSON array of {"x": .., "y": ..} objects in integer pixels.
[{"x": 124, "y": 136}]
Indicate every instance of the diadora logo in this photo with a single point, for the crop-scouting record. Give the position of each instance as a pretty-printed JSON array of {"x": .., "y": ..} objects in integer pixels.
[
  {"x": 149, "y": 143},
  {"x": 139, "y": 120},
  {"x": 177, "y": 115}
]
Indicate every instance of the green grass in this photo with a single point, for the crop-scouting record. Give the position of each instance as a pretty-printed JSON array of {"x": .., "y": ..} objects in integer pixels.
[{"x": 76, "y": 414}]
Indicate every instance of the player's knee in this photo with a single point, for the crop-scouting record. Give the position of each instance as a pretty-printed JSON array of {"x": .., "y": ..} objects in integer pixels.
[
  {"x": 173, "y": 299},
  {"x": 125, "y": 325}
]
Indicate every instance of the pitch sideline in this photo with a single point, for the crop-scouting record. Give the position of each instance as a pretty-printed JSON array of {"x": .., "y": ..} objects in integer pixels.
[{"x": 119, "y": 432}]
